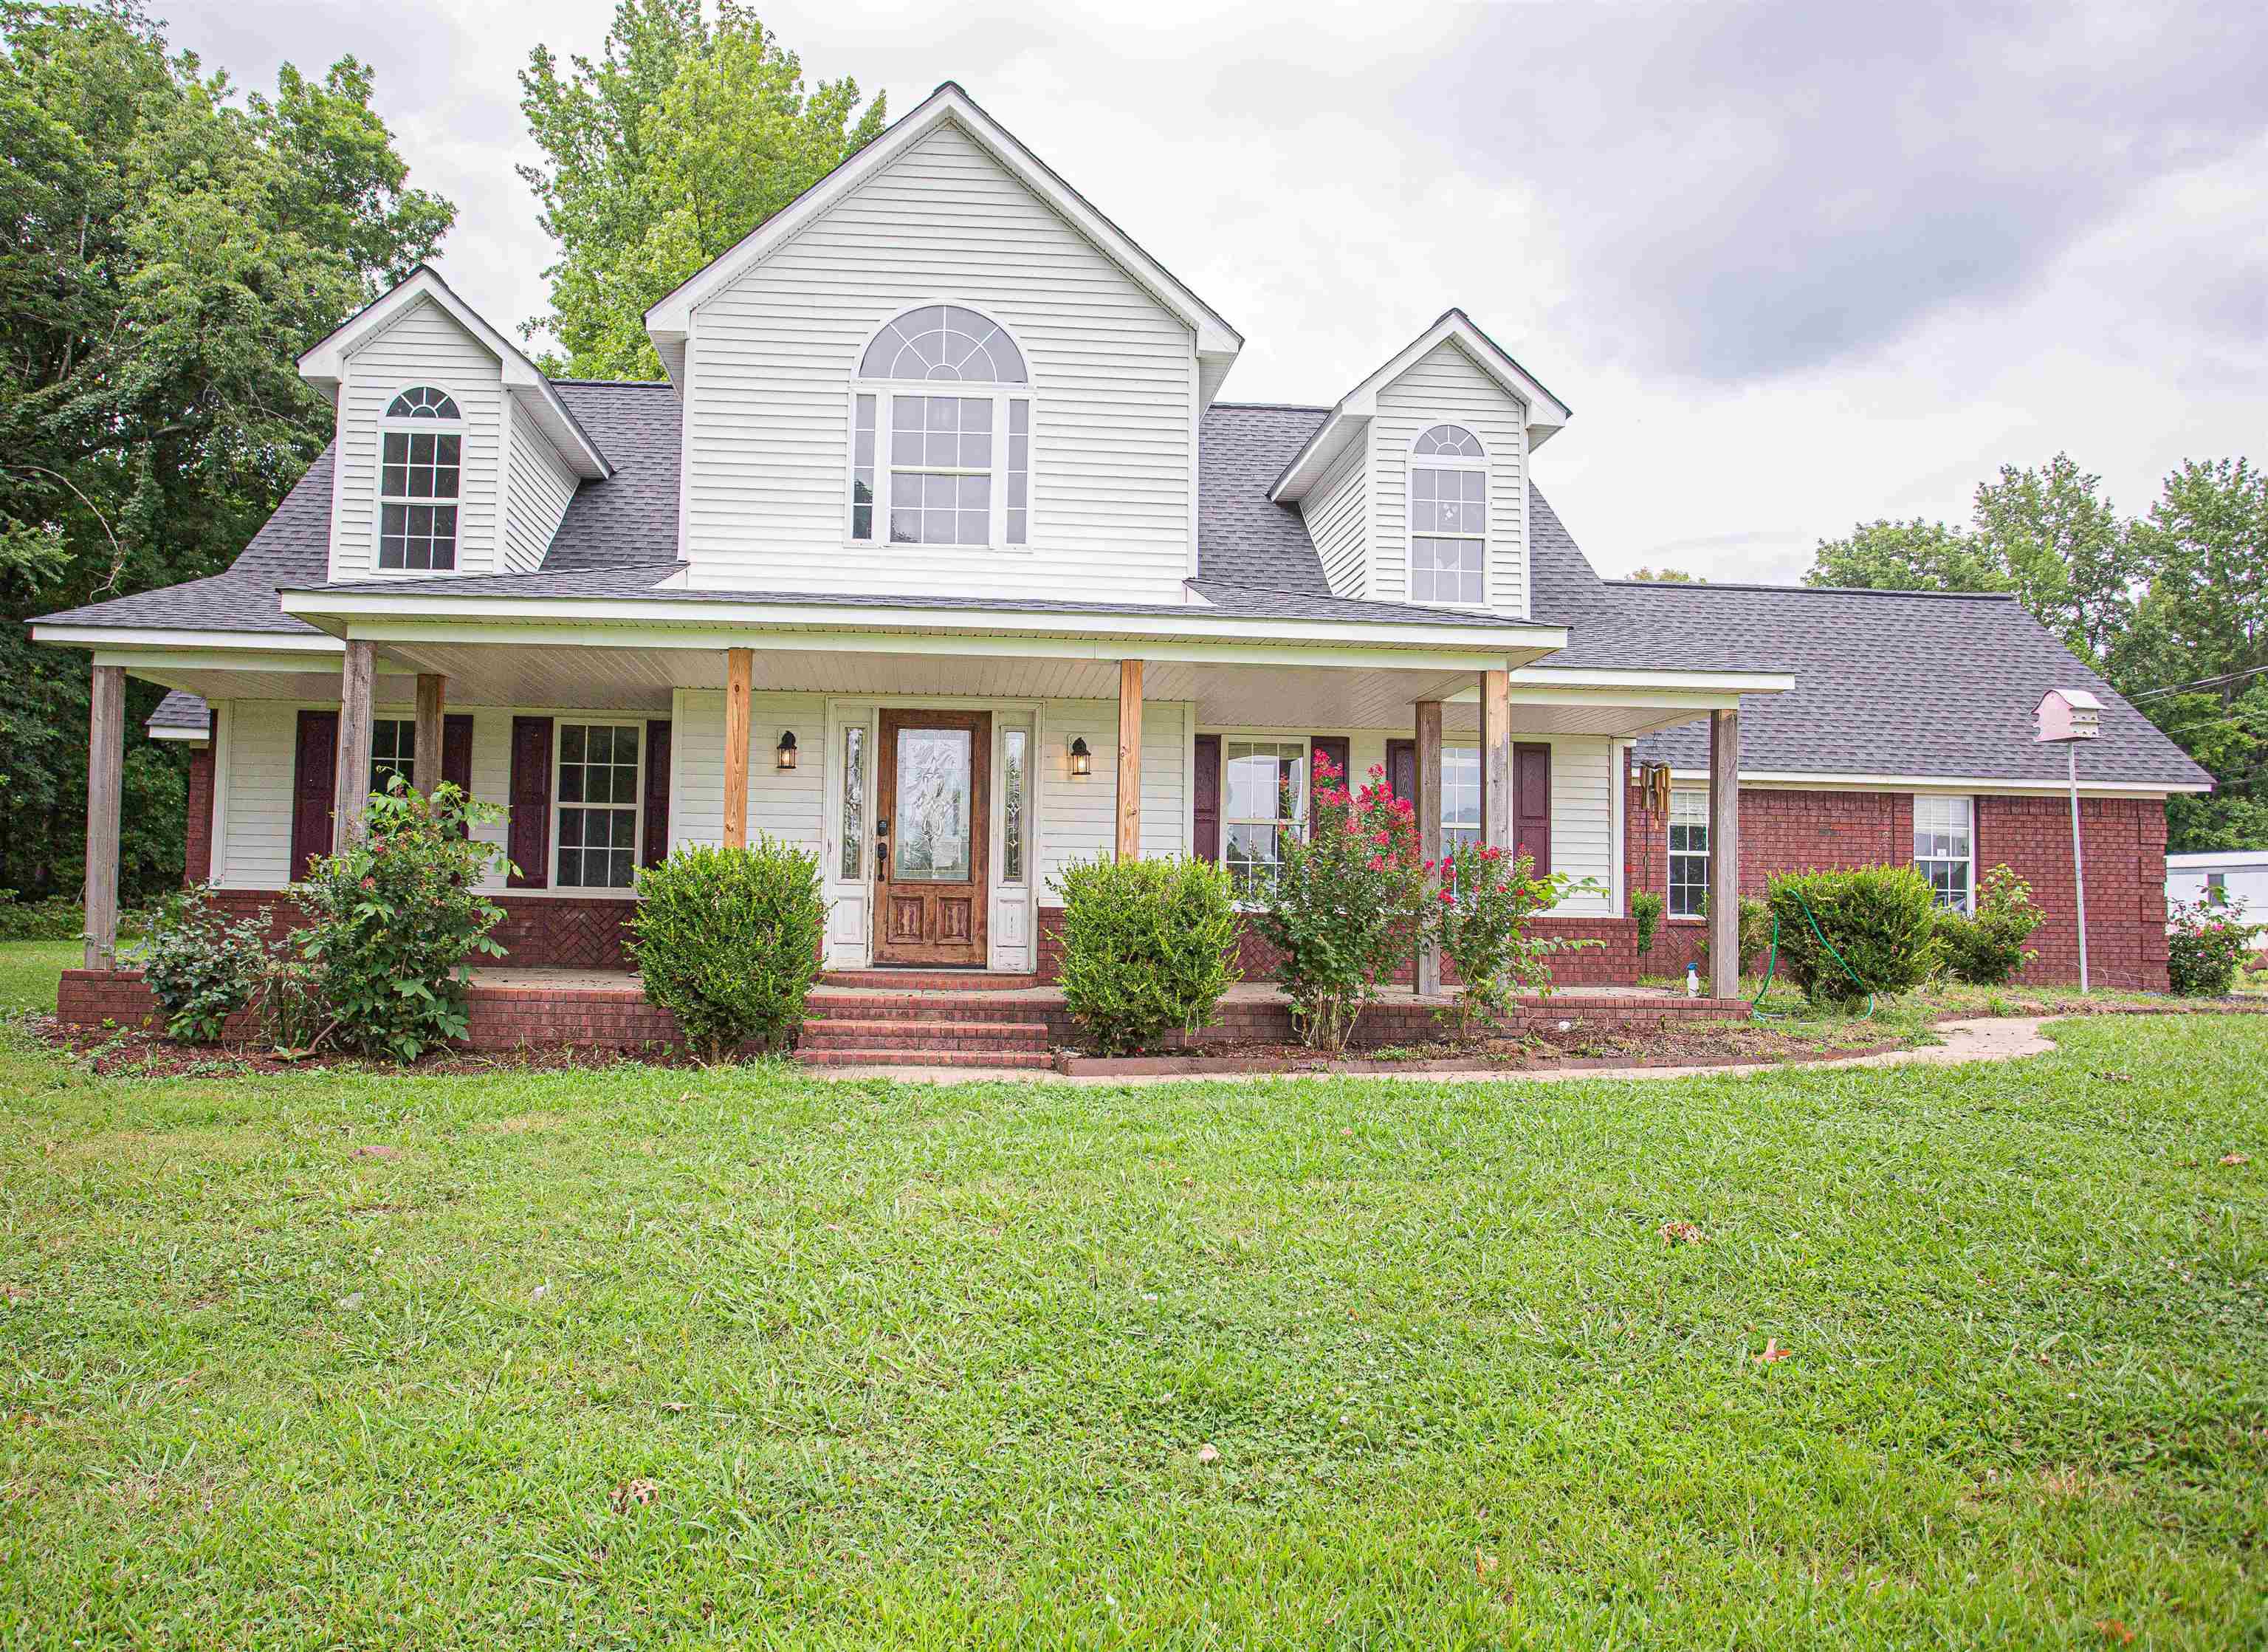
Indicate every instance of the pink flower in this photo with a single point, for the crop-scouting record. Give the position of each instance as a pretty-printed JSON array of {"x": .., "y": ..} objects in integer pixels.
[{"x": 1448, "y": 897}]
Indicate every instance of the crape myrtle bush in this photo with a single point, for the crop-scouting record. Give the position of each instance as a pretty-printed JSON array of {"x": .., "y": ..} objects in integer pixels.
[
  {"x": 728, "y": 942},
  {"x": 1987, "y": 950},
  {"x": 1147, "y": 946},
  {"x": 1879, "y": 918},
  {"x": 1345, "y": 904},
  {"x": 2207, "y": 941},
  {"x": 1479, "y": 919},
  {"x": 200, "y": 964},
  {"x": 394, "y": 921}
]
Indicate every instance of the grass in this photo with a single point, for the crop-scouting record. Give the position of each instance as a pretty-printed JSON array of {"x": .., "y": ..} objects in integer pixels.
[
  {"x": 650, "y": 1357},
  {"x": 29, "y": 971}
]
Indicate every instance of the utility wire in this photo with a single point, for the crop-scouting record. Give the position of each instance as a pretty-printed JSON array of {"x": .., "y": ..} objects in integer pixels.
[{"x": 2202, "y": 682}]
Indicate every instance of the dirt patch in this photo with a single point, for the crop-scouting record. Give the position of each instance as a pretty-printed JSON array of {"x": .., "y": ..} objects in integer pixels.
[{"x": 132, "y": 1052}]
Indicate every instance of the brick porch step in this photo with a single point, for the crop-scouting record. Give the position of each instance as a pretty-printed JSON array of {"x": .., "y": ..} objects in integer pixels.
[
  {"x": 1032, "y": 1059},
  {"x": 909, "y": 1008},
  {"x": 922, "y": 1035},
  {"x": 928, "y": 980}
]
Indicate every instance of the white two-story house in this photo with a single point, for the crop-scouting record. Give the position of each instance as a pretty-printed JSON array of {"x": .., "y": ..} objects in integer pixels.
[{"x": 940, "y": 553}]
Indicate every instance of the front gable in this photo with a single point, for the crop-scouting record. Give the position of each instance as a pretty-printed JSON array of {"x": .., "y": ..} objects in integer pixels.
[{"x": 772, "y": 363}]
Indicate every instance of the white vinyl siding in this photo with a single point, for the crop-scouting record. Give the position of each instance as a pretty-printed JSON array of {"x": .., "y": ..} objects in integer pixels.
[
  {"x": 423, "y": 346},
  {"x": 1447, "y": 387},
  {"x": 1582, "y": 821},
  {"x": 1337, "y": 518},
  {"x": 789, "y": 804},
  {"x": 262, "y": 746},
  {"x": 539, "y": 487},
  {"x": 773, "y": 358}
]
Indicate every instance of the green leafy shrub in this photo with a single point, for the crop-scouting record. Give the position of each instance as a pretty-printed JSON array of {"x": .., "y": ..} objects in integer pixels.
[
  {"x": 200, "y": 964},
  {"x": 1756, "y": 933},
  {"x": 394, "y": 919},
  {"x": 2207, "y": 943},
  {"x": 1480, "y": 919},
  {"x": 1342, "y": 909},
  {"x": 1147, "y": 944},
  {"x": 1877, "y": 918},
  {"x": 1988, "y": 950},
  {"x": 728, "y": 942},
  {"x": 57, "y": 918},
  {"x": 1647, "y": 907}
]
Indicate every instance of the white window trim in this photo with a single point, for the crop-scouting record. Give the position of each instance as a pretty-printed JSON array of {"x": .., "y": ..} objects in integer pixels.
[
  {"x": 1000, "y": 395},
  {"x": 461, "y": 428},
  {"x": 1671, "y": 854},
  {"x": 409, "y": 723},
  {"x": 594, "y": 891},
  {"x": 1968, "y": 808},
  {"x": 1412, "y": 461},
  {"x": 1479, "y": 823}
]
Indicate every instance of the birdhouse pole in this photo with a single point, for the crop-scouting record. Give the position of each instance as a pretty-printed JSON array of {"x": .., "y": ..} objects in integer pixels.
[{"x": 2067, "y": 717}]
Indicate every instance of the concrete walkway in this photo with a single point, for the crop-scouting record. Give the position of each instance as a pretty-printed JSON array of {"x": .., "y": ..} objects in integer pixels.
[{"x": 1987, "y": 1038}]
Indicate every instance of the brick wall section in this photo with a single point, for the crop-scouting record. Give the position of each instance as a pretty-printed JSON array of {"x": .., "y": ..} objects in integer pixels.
[
  {"x": 197, "y": 862},
  {"x": 537, "y": 931},
  {"x": 1802, "y": 831},
  {"x": 1612, "y": 962}
]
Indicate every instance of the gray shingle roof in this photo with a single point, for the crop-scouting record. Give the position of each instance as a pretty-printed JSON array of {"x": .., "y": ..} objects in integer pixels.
[
  {"x": 1886, "y": 682},
  {"x": 1898, "y": 682},
  {"x": 178, "y": 710}
]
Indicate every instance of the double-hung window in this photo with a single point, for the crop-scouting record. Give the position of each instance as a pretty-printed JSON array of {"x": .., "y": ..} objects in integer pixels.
[
  {"x": 1688, "y": 853},
  {"x": 1460, "y": 795},
  {"x": 1449, "y": 517},
  {"x": 941, "y": 434},
  {"x": 421, "y": 463},
  {"x": 1266, "y": 792},
  {"x": 1945, "y": 848},
  {"x": 598, "y": 806},
  {"x": 393, "y": 750}
]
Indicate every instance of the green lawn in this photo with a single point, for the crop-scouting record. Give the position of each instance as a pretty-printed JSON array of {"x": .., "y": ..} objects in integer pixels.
[
  {"x": 29, "y": 971},
  {"x": 644, "y": 1356}
]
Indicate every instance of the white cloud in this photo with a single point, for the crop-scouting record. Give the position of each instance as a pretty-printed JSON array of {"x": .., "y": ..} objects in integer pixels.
[{"x": 1771, "y": 318}]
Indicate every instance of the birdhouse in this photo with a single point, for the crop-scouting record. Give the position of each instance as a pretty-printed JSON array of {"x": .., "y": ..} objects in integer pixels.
[{"x": 2069, "y": 714}]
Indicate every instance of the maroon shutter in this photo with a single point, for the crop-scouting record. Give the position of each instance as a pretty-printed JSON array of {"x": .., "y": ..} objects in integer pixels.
[
  {"x": 1402, "y": 770},
  {"x": 1205, "y": 811},
  {"x": 657, "y": 795},
  {"x": 315, "y": 788},
  {"x": 457, "y": 758},
  {"x": 1336, "y": 748},
  {"x": 531, "y": 803},
  {"x": 1531, "y": 804}
]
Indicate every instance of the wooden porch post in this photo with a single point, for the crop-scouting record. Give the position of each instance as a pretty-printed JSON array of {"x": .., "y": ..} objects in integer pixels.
[
  {"x": 740, "y": 665},
  {"x": 1130, "y": 759},
  {"x": 350, "y": 795},
  {"x": 431, "y": 689},
  {"x": 1429, "y": 827},
  {"x": 1496, "y": 759},
  {"x": 1725, "y": 854},
  {"x": 105, "y": 772}
]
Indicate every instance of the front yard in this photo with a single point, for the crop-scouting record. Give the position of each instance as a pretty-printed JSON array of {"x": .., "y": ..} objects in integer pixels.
[{"x": 639, "y": 1355}]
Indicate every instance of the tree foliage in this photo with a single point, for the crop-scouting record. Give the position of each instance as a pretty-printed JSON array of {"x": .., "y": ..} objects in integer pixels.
[
  {"x": 170, "y": 249},
  {"x": 2172, "y": 608},
  {"x": 679, "y": 140}
]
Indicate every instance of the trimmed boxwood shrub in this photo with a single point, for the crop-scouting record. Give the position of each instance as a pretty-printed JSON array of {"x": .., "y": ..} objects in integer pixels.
[
  {"x": 1987, "y": 950},
  {"x": 1147, "y": 944},
  {"x": 1880, "y": 919},
  {"x": 727, "y": 941}
]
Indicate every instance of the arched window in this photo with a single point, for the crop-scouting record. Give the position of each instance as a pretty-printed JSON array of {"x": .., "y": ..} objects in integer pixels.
[
  {"x": 944, "y": 468},
  {"x": 1449, "y": 517},
  {"x": 419, "y": 475}
]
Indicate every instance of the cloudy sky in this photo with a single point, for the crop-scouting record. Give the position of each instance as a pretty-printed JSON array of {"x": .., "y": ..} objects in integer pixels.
[{"x": 1793, "y": 265}]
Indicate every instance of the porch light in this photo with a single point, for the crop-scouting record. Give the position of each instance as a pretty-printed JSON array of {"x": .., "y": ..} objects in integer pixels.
[
  {"x": 1082, "y": 760},
  {"x": 786, "y": 749}
]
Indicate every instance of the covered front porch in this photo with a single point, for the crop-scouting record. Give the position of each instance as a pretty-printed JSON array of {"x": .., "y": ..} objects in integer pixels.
[{"x": 941, "y": 767}]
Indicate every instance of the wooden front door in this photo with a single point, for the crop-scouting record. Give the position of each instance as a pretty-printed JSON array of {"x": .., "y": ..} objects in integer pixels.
[{"x": 932, "y": 834}]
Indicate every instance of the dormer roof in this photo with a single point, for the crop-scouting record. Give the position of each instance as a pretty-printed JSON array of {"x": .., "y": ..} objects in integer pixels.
[
  {"x": 325, "y": 366},
  {"x": 1543, "y": 412},
  {"x": 670, "y": 322}
]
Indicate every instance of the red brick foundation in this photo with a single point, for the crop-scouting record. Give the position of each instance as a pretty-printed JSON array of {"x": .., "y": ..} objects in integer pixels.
[
  {"x": 1807, "y": 831},
  {"x": 538, "y": 931}
]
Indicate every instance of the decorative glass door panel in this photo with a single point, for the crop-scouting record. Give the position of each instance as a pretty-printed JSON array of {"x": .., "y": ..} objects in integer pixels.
[{"x": 932, "y": 836}]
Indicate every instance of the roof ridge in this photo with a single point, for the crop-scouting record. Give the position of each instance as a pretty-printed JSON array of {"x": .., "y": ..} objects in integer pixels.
[
  {"x": 621, "y": 384},
  {"x": 1272, "y": 407},
  {"x": 1809, "y": 590}
]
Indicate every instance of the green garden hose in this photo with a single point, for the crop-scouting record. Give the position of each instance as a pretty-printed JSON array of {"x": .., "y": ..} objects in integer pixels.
[{"x": 1757, "y": 1010}]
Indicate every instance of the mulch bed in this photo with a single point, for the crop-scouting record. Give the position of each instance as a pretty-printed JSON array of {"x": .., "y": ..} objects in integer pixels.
[{"x": 133, "y": 1053}]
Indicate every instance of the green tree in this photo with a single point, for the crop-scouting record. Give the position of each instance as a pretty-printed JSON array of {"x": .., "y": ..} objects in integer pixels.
[
  {"x": 1915, "y": 556},
  {"x": 682, "y": 139},
  {"x": 1665, "y": 576},
  {"x": 2058, "y": 544},
  {"x": 169, "y": 250}
]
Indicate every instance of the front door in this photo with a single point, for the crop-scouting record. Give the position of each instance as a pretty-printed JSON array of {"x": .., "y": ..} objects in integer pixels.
[{"x": 932, "y": 834}]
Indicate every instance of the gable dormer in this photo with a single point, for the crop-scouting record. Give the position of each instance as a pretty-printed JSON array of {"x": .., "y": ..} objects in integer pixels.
[
  {"x": 1415, "y": 487},
  {"x": 940, "y": 371},
  {"x": 453, "y": 454}
]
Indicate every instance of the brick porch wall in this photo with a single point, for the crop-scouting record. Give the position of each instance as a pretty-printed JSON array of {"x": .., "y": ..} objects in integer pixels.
[
  {"x": 196, "y": 860},
  {"x": 1806, "y": 831},
  {"x": 537, "y": 931}
]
